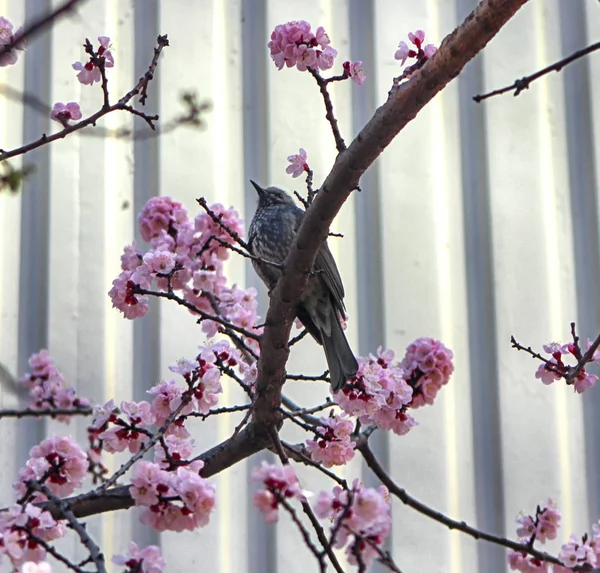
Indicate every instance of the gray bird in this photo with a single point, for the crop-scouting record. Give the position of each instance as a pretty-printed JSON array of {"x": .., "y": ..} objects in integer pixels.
[{"x": 272, "y": 231}]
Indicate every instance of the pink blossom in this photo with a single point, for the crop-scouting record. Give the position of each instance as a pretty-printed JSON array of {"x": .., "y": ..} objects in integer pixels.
[
  {"x": 128, "y": 434},
  {"x": 124, "y": 297},
  {"x": 47, "y": 387},
  {"x": 147, "y": 560},
  {"x": 378, "y": 394},
  {"x": 298, "y": 164},
  {"x": 175, "y": 501},
  {"x": 421, "y": 53},
  {"x": 355, "y": 71},
  {"x": 574, "y": 553},
  {"x": 6, "y": 38},
  {"x": 546, "y": 375},
  {"x": 428, "y": 366},
  {"x": 89, "y": 72},
  {"x": 362, "y": 511},
  {"x": 280, "y": 482},
  {"x": 179, "y": 448},
  {"x": 161, "y": 213},
  {"x": 267, "y": 504},
  {"x": 160, "y": 261},
  {"x": 526, "y": 563},
  {"x": 103, "y": 414},
  {"x": 63, "y": 113},
  {"x": 555, "y": 368},
  {"x": 333, "y": 446},
  {"x": 168, "y": 397},
  {"x": 18, "y": 527},
  {"x": 294, "y": 44},
  {"x": 60, "y": 461}
]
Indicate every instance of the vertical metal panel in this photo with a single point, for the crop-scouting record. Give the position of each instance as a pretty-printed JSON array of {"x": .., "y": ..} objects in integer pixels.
[{"x": 480, "y": 221}]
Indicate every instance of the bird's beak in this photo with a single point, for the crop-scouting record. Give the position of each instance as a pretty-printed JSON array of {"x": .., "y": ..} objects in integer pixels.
[{"x": 258, "y": 188}]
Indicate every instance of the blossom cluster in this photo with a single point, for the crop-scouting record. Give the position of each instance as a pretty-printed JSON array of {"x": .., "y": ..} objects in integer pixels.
[
  {"x": 555, "y": 368},
  {"x": 361, "y": 517},
  {"x": 58, "y": 462},
  {"x": 280, "y": 484},
  {"x": 295, "y": 44},
  {"x": 185, "y": 256},
  {"x": 7, "y": 37},
  {"x": 543, "y": 526},
  {"x": 332, "y": 445},
  {"x": 173, "y": 500},
  {"x": 422, "y": 52},
  {"x": 17, "y": 526},
  {"x": 47, "y": 387},
  {"x": 427, "y": 367},
  {"x": 378, "y": 394},
  {"x": 147, "y": 560}
]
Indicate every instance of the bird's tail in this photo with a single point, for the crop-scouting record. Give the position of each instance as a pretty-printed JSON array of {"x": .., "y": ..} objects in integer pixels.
[{"x": 340, "y": 358}]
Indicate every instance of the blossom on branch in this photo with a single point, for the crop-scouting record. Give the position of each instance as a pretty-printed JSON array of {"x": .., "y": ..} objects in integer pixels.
[
  {"x": 298, "y": 164},
  {"x": 7, "y": 37},
  {"x": 186, "y": 256},
  {"x": 57, "y": 462},
  {"x": 361, "y": 518},
  {"x": 555, "y": 368},
  {"x": 427, "y": 367},
  {"x": 19, "y": 526},
  {"x": 295, "y": 44},
  {"x": 90, "y": 72},
  {"x": 63, "y": 113},
  {"x": 332, "y": 445},
  {"x": 147, "y": 560},
  {"x": 47, "y": 387},
  {"x": 355, "y": 71},
  {"x": 173, "y": 500},
  {"x": 421, "y": 53},
  {"x": 281, "y": 484}
]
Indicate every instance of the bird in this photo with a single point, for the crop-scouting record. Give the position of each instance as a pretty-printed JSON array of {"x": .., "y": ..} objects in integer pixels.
[{"x": 270, "y": 237}]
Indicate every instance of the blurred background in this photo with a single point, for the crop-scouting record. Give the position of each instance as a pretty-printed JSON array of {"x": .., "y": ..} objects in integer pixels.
[{"x": 478, "y": 222}]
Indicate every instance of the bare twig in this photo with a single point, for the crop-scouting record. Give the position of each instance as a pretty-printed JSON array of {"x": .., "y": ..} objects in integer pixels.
[
  {"x": 50, "y": 412},
  {"x": 519, "y": 85},
  {"x": 462, "y": 526},
  {"x": 329, "y": 115}
]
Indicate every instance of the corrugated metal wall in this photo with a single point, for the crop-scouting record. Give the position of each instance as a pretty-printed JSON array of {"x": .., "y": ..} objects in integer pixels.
[{"x": 478, "y": 222}]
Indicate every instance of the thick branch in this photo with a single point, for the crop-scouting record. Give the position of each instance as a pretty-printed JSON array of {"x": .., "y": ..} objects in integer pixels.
[{"x": 402, "y": 106}]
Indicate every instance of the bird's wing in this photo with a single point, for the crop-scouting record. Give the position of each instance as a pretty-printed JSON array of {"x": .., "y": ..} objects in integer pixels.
[{"x": 325, "y": 265}]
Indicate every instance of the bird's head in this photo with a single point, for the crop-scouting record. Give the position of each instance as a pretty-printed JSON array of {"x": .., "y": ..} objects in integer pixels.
[{"x": 271, "y": 196}]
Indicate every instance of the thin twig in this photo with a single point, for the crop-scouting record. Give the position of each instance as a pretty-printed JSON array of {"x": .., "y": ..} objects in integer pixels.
[
  {"x": 95, "y": 554},
  {"x": 50, "y": 412},
  {"x": 462, "y": 526},
  {"x": 523, "y": 83},
  {"x": 329, "y": 115}
]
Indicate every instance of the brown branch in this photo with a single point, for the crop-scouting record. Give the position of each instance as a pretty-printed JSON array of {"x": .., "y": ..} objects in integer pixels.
[
  {"x": 50, "y": 412},
  {"x": 523, "y": 84},
  {"x": 329, "y": 115},
  {"x": 96, "y": 555},
  {"x": 39, "y": 25},
  {"x": 401, "y": 107},
  {"x": 450, "y": 523}
]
